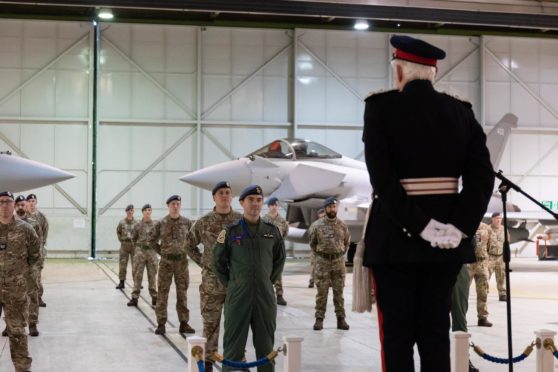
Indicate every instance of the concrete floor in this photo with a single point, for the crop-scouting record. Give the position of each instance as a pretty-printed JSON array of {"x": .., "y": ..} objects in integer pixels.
[{"x": 88, "y": 327}]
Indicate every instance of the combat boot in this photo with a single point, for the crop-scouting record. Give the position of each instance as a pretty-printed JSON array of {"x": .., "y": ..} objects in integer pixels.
[
  {"x": 185, "y": 328},
  {"x": 120, "y": 285},
  {"x": 208, "y": 366},
  {"x": 160, "y": 329},
  {"x": 342, "y": 324},
  {"x": 319, "y": 325},
  {"x": 153, "y": 301},
  {"x": 42, "y": 303},
  {"x": 484, "y": 323},
  {"x": 472, "y": 368},
  {"x": 311, "y": 283},
  {"x": 133, "y": 302},
  {"x": 281, "y": 301},
  {"x": 503, "y": 298},
  {"x": 33, "y": 331},
  {"x": 5, "y": 332}
]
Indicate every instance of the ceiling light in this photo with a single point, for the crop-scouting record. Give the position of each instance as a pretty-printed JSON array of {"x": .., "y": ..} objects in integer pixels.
[
  {"x": 105, "y": 13},
  {"x": 361, "y": 24}
]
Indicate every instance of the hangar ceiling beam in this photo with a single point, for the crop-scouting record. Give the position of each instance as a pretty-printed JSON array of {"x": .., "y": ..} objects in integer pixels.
[
  {"x": 148, "y": 76},
  {"x": 245, "y": 81},
  {"x": 454, "y": 67},
  {"x": 219, "y": 145},
  {"x": 146, "y": 171}
]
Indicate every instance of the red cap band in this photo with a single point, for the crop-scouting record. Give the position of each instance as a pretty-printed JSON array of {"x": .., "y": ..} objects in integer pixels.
[{"x": 414, "y": 58}]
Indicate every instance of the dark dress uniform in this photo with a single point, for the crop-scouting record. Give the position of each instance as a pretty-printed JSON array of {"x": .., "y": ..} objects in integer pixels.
[
  {"x": 418, "y": 142},
  {"x": 248, "y": 264}
]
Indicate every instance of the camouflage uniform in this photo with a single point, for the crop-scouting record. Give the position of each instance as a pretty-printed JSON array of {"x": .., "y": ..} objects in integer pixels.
[
  {"x": 124, "y": 232},
  {"x": 312, "y": 255},
  {"x": 212, "y": 291},
  {"x": 34, "y": 278},
  {"x": 145, "y": 256},
  {"x": 172, "y": 234},
  {"x": 496, "y": 258},
  {"x": 283, "y": 226},
  {"x": 19, "y": 253},
  {"x": 43, "y": 222},
  {"x": 479, "y": 269},
  {"x": 329, "y": 241}
]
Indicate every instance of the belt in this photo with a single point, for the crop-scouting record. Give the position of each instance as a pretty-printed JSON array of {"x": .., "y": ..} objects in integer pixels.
[
  {"x": 172, "y": 257},
  {"x": 330, "y": 256},
  {"x": 481, "y": 258},
  {"x": 430, "y": 185},
  {"x": 496, "y": 255}
]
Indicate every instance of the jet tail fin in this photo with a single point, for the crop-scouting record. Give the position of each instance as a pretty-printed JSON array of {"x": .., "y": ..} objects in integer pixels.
[{"x": 497, "y": 138}]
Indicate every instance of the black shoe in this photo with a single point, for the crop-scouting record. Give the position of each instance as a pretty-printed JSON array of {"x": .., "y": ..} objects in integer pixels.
[
  {"x": 185, "y": 328},
  {"x": 120, "y": 285},
  {"x": 281, "y": 301},
  {"x": 342, "y": 324},
  {"x": 160, "y": 329},
  {"x": 133, "y": 302},
  {"x": 319, "y": 325},
  {"x": 41, "y": 303},
  {"x": 484, "y": 323},
  {"x": 208, "y": 366},
  {"x": 311, "y": 284},
  {"x": 503, "y": 298},
  {"x": 33, "y": 331},
  {"x": 153, "y": 301},
  {"x": 472, "y": 368}
]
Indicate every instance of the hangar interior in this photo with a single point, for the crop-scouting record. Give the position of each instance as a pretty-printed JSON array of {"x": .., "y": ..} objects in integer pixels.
[{"x": 175, "y": 98}]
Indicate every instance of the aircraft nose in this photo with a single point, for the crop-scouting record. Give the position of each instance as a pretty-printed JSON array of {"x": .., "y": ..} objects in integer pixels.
[
  {"x": 236, "y": 172},
  {"x": 20, "y": 174}
]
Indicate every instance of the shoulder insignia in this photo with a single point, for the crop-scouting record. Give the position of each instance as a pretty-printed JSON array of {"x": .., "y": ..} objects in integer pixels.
[
  {"x": 383, "y": 92},
  {"x": 221, "y": 237},
  {"x": 457, "y": 98}
]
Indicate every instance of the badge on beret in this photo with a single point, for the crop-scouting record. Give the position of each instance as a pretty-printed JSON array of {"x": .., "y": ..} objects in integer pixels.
[
  {"x": 258, "y": 190},
  {"x": 221, "y": 237}
]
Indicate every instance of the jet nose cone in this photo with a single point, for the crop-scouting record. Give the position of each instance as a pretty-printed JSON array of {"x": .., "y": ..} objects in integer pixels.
[
  {"x": 236, "y": 172},
  {"x": 20, "y": 174}
]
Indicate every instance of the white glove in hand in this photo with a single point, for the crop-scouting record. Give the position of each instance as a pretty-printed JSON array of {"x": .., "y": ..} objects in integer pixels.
[
  {"x": 433, "y": 230},
  {"x": 450, "y": 238}
]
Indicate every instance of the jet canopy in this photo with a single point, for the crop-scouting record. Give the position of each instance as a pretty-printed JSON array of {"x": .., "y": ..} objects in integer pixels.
[{"x": 295, "y": 149}]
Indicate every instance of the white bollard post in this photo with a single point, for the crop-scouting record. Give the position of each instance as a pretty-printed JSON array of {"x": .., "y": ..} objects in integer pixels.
[
  {"x": 195, "y": 342},
  {"x": 460, "y": 351},
  {"x": 545, "y": 358},
  {"x": 293, "y": 361}
]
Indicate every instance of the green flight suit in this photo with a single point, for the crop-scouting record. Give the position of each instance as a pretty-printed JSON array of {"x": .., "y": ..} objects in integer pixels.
[{"x": 248, "y": 264}]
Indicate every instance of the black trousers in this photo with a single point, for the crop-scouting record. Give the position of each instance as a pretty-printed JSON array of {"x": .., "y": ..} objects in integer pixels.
[{"x": 414, "y": 302}]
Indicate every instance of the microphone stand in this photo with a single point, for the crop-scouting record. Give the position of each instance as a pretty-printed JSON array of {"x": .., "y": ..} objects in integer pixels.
[{"x": 505, "y": 186}]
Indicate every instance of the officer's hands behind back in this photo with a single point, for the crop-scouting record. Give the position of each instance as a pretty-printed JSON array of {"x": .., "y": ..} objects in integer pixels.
[{"x": 441, "y": 235}]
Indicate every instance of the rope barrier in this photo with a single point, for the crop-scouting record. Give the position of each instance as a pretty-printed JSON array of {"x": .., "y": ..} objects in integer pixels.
[
  {"x": 260, "y": 362},
  {"x": 528, "y": 350}
]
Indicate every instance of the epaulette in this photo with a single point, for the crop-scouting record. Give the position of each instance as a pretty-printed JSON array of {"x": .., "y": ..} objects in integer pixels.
[
  {"x": 461, "y": 100},
  {"x": 380, "y": 93}
]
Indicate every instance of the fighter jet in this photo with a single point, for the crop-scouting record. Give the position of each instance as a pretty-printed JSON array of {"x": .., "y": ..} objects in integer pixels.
[
  {"x": 302, "y": 173},
  {"x": 19, "y": 174}
]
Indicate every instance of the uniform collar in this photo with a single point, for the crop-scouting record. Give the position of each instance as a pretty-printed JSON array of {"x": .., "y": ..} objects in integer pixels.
[{"x": 417, "y": 85}]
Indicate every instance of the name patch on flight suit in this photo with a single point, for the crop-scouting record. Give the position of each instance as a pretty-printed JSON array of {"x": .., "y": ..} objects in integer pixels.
[{"x": 221, "y": 237}]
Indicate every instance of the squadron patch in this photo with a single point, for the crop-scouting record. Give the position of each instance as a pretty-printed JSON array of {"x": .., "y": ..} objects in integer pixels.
[{"x": 221, "y": 237}]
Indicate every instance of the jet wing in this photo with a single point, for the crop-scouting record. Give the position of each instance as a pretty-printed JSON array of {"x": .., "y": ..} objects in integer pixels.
[{"x": 306, "y": 180}]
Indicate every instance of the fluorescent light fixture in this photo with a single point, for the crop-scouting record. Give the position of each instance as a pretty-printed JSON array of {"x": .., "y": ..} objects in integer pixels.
[
  {"x": 361, "y": 25},
  {"x": 105, "y": 13}
]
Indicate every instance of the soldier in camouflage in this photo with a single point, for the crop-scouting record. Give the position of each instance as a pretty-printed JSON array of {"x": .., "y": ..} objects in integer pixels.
[
  {"x": 274, "y": 216},
  {"x": 19, "y": 253},
  {"x": 171, "y": 233},
  {"x": 31, "y": 207},
  {"x": 495, "y": 252},
  {"x": 329, "y": 240},
  {"x": 124, "y": 231},
  {"x": 145, "y": 256},
  {"x": 33, "y": 284},
  {"x": 480, "y": 273},
  {"x": 321, "y": 214},
  {"x": 212, "y": 291}
]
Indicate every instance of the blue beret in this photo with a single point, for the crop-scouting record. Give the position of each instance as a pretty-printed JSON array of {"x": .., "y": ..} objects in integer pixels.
[
  {"x": 251, "y": 190},
  {"x": 31, "y": 197},
  {"x": 173, "y": 198},
  {"x": 496, "y": 214},
  {"x": 329, "y": 201},
  {"x": 321, "y": 210},
  {"x": 146, "y": 206},
  {"x": 20, "y": 198},
  {"x": 272, "y": 201},
  {"x": 220, "y": 185},
  {"x": 6, "y": 193},
  {"x": 129, "y": 207},
  {"x": 416, "y": 50}
]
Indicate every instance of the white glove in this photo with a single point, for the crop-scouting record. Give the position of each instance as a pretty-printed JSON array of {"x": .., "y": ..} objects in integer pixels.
[
  {"x": 448, "y": 238},
  {"x": 432, "y": 230}
]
